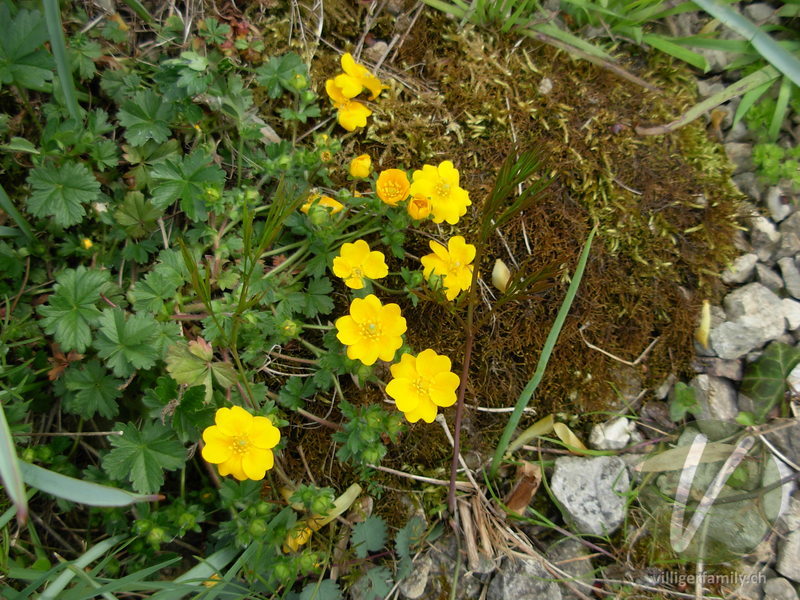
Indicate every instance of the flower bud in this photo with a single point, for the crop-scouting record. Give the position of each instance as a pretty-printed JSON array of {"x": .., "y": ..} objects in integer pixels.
[
  {"x": 500, "y": 275},
  {"x": 361, "y": 166}
]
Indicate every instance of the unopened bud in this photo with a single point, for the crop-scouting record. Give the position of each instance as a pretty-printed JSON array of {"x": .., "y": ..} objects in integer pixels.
[{"x": 500, "y": 275}]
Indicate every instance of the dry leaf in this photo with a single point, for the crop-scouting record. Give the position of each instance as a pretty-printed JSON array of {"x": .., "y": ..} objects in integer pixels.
[
  {"x": 565, "y": 434},
  {"x": 529, "y": 476}
]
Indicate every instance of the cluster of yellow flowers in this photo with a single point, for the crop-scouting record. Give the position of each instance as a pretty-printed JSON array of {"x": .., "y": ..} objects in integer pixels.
[{"x": 346, "y": 86}]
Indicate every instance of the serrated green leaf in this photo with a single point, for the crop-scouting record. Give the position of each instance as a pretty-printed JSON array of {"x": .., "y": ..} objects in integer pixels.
[
  {"x": 317, "y": 299},
  {"x": 142, "y": 456},
  {"x": 368, "y": 536},
  {"x": 186, "y": 179},
  {"x": 150, "y": 293},
  {"x": 279, "y": 73},
  {"x": 146, "y": 117},
  {"x": 321, "y": 590},
  {"x": 61, "y": 191},
  {"x": 70, "y": 311},
  {"x": 764, "y": 381},
  {"x": 375, "y": 584},
  {"x": 23, "y": 60},
  {"x": 127, "y": 344},
  {"x": 683, "y": 400},
  {"x": 94, "y": 391},
  {"x": 193, "y": 364},
  {"x": 409, "y": 536}
]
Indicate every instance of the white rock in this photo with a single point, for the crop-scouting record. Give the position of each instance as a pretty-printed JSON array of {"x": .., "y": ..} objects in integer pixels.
[
  {"x": 741, "y": 155},
  {"x": 779, "y": 207},
  {"x": 545, "y": 86},
  {"x": 716, "y": 397},
  {"x": 755, "y": 316},
  {"x": 741, "y": 270},
  {"x": 788, "y": 563},
  {"x": 764, "y": 237},
  {"x": 768, "y": 278},
  {"x": 791, "y": 276},
  {"x": 611, "y": 435},
  {"x": 791, "y": 312}
]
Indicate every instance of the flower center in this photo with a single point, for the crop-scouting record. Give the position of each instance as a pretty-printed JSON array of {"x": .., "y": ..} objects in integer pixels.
[
  {"x": 442, "y": 189},
  {"x": 357, "y": 273},
  {"x": 370, "y": 331},
  {"x": 240, "y": 445},
  {"x": 421, "y": 387}
]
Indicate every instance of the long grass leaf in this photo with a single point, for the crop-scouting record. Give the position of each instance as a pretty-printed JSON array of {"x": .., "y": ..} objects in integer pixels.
[
  {"x": 749, "y": 99},
  {"x": 140, "y": 10},
  {"x": 777, "y": 56},
  {"x": 52, "y": 16},
  {"x": 754, "y": 80},
  {"x": 10, "y": 470},
  {"x": 76, "y": 490},
  {"x": 570, "y": 39},
  {"x": 52, "y": 591},
  {"x": 549, "y": 344},
  {"x": 781, "y": 107},
  {"x": 198, "y": 574},
  {"x": 659, "y": 42},
  {"x": 8, "y": 207}
]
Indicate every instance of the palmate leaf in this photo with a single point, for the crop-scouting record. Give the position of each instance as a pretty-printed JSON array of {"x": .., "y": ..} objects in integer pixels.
[
  {"x": 186, "y": 179},
  {"x": 764, "y": 381},
  {"x": 321, "y": 590},
  {"x": 127, "y": 344},
  {"x": 61, "y": 191},
  {"x": 70, "y": 311},
  {"x": 94, "y": 391},
  {"x": 142, "y": 456},
  {"x": 23, "y": 61},
  {"x": 150, "y": 293},
  {"x": 146, "y": 117},
  {"x": 194, "y": 364}
]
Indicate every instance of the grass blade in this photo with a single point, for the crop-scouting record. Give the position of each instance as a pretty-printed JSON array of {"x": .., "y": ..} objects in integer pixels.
[
  {"x": 82, "y": 492},
  {"x": 544, "y": 358},
  {"x": 8, "y": 207},
  {"x": 52, "y": 591},
  {"x": 140, "y": 11},
  {"x": 198, "y": 574},
  {"x": 781, "y": 107},
  {"x": 52, "y": 16},
  {"x": 767, "y": 47},
  {"x": 10, "y": 470},
  {"x": 749, "y": 99},
  {"x": 659, "y": 42}
]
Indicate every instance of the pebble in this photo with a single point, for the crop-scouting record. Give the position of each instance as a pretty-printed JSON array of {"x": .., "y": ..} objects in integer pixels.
[
  {"x": 788, "y": 563},
  {"x": 779, "y": 588}
]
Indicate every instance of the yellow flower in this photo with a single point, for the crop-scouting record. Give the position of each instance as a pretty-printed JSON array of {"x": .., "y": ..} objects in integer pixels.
[
  {"x": 86, "y": 243},
  {"x": 452, "y": 263},
  {"x": 440, "y": 184},
  {"x": 325, "y": 201},
  {"x": 392, "y": 186},
  {"x": 240, "y": 444},
  {"x": 351, "y": 114},
  {"x": 356, "y": 261},
  {"x": 419, "y": 207},
  {"x": 361, "y": 166},
  {"x": 371, "y": 330},
  {"x": 355, "y": 78},
  {"x": 421, "y": 384},
  {"x": 297, "y": 537}
]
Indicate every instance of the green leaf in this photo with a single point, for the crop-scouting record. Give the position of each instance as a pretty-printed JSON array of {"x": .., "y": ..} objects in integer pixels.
[
  {"x": 193, "y": 364},
  {"x": 317, "y": 297},
  {"x": 409, "y": 536},
  {"x": 145, "y": 117},
  {"x": 127, "y": 344},
  {"x": 61, "y": 191},
  {"x": 375, "y": 584},
  {"x": 368, "y": 536},
  {"x": 683, "y": 401},
  {"x": 95, "y": 391},
  {"x": 764, "y": 381},
  {"x": 23, "y": 61},
  {"x": 321, "y": 590},
  {"x": 150, "y": 293},
  {"x": 142, "y": 456},
  {"x": 186, "y": 179},
  {"x": 280, "y": 73},
  {"x": 10, "y": 473},
  {"x": 77, "y": 490},
  {"x": 70, "y": 311}
]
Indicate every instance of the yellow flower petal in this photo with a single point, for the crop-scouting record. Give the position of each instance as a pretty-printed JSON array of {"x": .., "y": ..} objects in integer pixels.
[
  {"x": 233, "y": 466},
  {"x": 405, "y": 369},
  {"x": 403, "y": 392},
  {"x": 256, "y": 463},
  {"x": 353, "y": 115},
  {"x": 217, "y": 447},
  {"x": 350, "y": 86},
  {"x": 426, "y": 410},
  {"x": 233, "y": 421},
  {"x": 443, "y": 389},
  {"x": 263, "y": 434},
  {"x": 348, "y": 331},
  {"x": 374, "y": 265}
]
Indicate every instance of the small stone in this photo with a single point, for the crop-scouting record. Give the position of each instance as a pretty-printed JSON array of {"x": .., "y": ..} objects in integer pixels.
[
  {"x": 734, "y": 340},
  {"x": 611, "y": 435},
  {"x": 755, "y": 317},
  {"x": 791, "y": 224},
  {"x": 751, "y": 301},
  {"x": 788, "y": 563},
  {"x": 779, "y": 588},
  {"x": 738, "y": 132},
  {"x": 413, "y": 586},
  {"x": 791, "y": 276},
  {"x": 764, "y": 237},
  {"x": 768, "y": 278},
  {"x": 791, "y": 312},
  {"x": 748, "y": 184},
  {"x": 590, "y": 490},
  {"x": 717, "y": 59},
  {"x": 789, "y": 246},
  {"x": 709, "y": 87},
  {"x": 718, "y": 367},
  {"x": 778, "y": 204},
  {"x": 761, "y": 13},
  {"x": 572, "y": 557},
  {"x": 716, "y": 397},
  {"x": 741, "y": 270},
  {"x": 523, "y": 579},
  {"x": 545, "y": 86},
  {"x": 376, "y": 52},
  {"x": 741, "y": 155}
]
